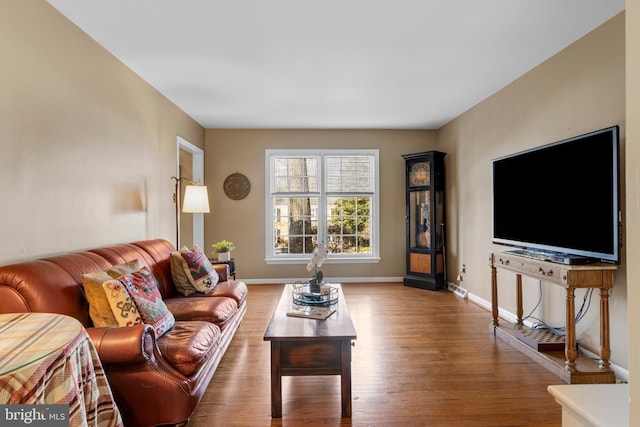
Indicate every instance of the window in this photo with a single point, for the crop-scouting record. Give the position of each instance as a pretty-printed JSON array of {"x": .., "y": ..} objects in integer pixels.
[{"x": 327, "y": 196}]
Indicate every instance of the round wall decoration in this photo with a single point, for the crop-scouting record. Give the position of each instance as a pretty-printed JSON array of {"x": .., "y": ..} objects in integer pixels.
[{"x": 237, "y": 186}]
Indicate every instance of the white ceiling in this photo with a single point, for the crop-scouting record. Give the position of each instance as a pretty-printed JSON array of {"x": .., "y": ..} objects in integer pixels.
[{"x": 376, "y": 64}]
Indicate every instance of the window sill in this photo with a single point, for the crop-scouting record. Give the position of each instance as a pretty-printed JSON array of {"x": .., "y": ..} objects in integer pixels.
[{"x": 339, "y": 260}]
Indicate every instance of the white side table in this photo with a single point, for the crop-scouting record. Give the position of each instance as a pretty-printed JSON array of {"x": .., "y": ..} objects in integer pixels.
[{"x": 597, "y": 405}]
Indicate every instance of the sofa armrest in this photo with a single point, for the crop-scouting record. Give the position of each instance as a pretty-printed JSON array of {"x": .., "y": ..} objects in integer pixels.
[
  {"x": 223, "y": 271},
  {"x": 126, "y": 345}
]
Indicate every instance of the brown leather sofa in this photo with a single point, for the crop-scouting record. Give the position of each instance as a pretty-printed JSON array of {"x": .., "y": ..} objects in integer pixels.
[{"x": 155, "y": 381}]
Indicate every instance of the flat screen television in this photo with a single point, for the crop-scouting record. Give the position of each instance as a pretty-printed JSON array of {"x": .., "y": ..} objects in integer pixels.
[{"x": 561, "y": 199}]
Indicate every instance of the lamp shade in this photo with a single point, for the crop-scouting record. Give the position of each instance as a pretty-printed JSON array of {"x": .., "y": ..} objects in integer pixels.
[{"x": 196, "y": 199}]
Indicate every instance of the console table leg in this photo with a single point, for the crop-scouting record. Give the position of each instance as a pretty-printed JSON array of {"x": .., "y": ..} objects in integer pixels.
[
  {"x": 605, "y": 350},
  {"x": 519, "y": 311},
  {"x": 570, "y": 350},
  {"x": 494, "y": 297}
]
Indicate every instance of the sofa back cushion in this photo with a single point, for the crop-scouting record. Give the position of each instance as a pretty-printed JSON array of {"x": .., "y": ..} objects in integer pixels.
[
  {"x": 151, "y": 253},
  {"x": 42, "y": 286},
  {"x": 158, "y": 252},
  {"x": 54, "y": 284}
]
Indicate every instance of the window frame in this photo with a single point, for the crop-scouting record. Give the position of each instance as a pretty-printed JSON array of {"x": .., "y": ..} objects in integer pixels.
[{"x": 271, "y": 257}]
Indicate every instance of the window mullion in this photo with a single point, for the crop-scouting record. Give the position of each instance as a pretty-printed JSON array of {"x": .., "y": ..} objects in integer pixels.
[{"x": 322, "y": 203}]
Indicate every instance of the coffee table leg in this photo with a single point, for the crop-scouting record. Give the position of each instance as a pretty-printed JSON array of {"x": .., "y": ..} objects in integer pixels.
[
  {"x": 276, "y": 381},
  {"x": 345, "y": 378}
]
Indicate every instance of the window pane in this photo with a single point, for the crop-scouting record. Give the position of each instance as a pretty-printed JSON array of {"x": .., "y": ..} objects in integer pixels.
[
  {"x": 297, "y": 243},
  {"x": 295, "y": 175},
  {"x": 364, "y": 244},
  {"x": 348, "y": 223},
  {"x": 349, "y": 244},
  {"x": 349, "y": 174},
  {"x": 281, "y": 229},
  {"x": 296, "y": 224}
]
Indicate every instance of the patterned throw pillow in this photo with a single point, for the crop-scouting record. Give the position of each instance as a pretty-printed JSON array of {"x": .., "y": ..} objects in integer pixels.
[
  {"x": 199, "y": 270},
  {"x": 122, "y": 306},
  {"x": 99, "y": 308},
  {"x": 143, "y": 288}
]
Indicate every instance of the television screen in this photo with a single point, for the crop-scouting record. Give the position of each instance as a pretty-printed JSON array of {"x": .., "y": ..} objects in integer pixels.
[{"x": 561, "y": 197}]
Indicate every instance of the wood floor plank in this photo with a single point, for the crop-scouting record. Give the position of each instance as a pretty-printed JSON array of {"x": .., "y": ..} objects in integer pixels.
[{"x": 422, "y": 358}]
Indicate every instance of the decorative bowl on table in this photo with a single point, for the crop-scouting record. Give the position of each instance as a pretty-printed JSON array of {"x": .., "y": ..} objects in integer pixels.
[{"x": 303, "y": 295}]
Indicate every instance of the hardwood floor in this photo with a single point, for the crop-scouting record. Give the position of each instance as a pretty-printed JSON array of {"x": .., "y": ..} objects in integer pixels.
[{"x": 422, "y": 358}]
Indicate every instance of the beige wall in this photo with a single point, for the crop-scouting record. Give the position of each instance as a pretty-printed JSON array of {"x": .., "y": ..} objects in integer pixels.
[
  {"x": 243, "y": 221},
  {"x": 580, "y": 89},
  {"x": 88, "y": 148},
  {"x": 632, "y": 15}
]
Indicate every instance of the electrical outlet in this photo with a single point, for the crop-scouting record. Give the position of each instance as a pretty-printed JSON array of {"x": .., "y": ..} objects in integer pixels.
[
  {"x": 451, "y": 287},
  {"x": 461, "y": 292}
]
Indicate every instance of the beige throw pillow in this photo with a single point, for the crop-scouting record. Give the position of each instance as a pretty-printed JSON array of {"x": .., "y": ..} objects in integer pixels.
[
  {"x": 122, "y": 269},
  {"x": 179, "y": 276}
]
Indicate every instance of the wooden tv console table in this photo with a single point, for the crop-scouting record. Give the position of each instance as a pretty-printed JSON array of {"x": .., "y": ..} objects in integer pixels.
[{"x": 571, "y": 367}]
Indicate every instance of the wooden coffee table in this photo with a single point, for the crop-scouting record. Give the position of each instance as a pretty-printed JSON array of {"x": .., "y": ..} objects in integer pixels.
[{"x": 301, "y": 346}]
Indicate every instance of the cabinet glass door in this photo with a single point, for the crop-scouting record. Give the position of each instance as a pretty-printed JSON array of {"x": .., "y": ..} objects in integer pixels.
[{"x": 419, "y": 220}]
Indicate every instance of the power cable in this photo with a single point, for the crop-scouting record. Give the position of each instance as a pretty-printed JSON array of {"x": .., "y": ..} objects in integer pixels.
[{"x": 559, "y": 330}]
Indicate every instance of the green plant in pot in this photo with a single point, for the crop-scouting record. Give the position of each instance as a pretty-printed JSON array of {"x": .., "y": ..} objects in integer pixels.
[{"x": 223, "y": 250}]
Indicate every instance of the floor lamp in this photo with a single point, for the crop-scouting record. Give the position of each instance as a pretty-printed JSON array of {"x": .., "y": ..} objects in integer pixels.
[{"x": 196, "y": 200}]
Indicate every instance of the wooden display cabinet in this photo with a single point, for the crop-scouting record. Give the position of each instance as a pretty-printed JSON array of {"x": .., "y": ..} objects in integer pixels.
[{"x": 425, "y": 220}]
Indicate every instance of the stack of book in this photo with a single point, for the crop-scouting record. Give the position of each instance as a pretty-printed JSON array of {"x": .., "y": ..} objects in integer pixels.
[{"x": 311, "y": 312}]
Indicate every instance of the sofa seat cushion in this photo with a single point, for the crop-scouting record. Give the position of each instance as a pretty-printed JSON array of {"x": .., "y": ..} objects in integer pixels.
[
  {"x": 217, "y": 310},
  {"x": 189, "y": 344},
  {"x": 233, "y": 289}
]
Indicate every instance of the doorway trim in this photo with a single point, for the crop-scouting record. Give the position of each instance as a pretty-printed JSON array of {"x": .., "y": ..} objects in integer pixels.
[{"x": 197, "y": 155}]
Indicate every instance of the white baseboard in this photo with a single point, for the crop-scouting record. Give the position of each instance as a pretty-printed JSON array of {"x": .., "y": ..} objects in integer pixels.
[{"x": 327, "y": 279}]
